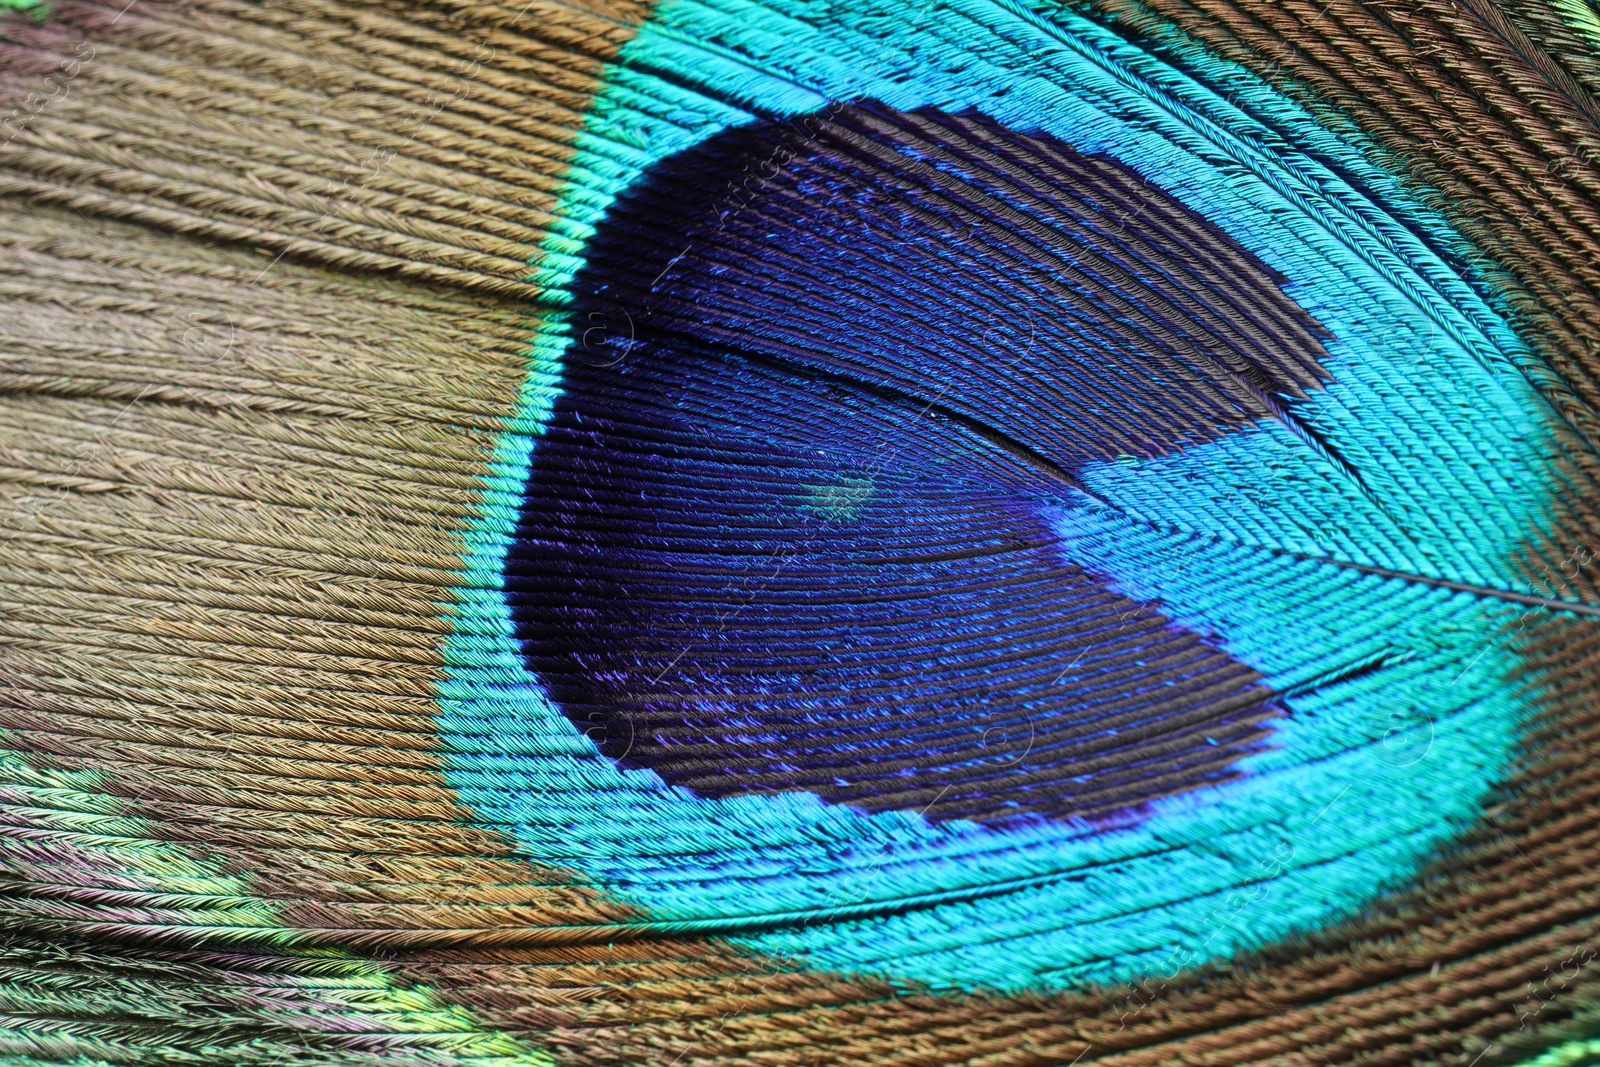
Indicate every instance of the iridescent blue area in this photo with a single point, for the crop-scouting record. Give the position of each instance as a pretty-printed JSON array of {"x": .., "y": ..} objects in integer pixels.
[
  {"x": 1400, "y": 712},
  {"x": 789, "y": 529}
]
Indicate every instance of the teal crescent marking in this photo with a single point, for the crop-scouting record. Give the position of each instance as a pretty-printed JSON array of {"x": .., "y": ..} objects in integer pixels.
[
  {"x": 1581, "y": 1053},
  {"x": 1401, "y": 713}
]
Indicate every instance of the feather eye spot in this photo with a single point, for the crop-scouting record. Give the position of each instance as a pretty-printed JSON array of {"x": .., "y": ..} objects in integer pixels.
[{"x": 804, "y": 539}]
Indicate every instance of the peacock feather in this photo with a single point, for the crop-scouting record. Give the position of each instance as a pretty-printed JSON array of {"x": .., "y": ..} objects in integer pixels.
[{"x": 989, "y": 532}]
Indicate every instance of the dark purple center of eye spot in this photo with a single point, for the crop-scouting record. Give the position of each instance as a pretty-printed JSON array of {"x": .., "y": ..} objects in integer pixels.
[{"x": 789, "y": 525}]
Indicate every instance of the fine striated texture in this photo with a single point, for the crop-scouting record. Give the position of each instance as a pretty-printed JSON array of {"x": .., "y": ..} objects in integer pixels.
[
  {"x": 976, "y": 672},
  {"x": 780, "y": 533}
]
